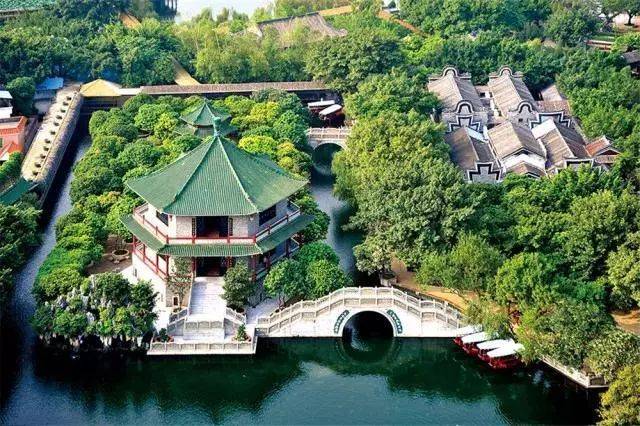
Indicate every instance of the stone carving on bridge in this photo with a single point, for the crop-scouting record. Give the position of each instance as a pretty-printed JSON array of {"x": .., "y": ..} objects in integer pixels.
[
  {"x": 339, "y": 321},
  {"x": 396, "y": 321}
]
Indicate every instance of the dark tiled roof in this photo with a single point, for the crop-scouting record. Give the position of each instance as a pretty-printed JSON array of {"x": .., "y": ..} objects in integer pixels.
[
  {"x": 466, "y": 150},
  {"x": 509, "y": 138},
  {"x": 452, "y": 89}
]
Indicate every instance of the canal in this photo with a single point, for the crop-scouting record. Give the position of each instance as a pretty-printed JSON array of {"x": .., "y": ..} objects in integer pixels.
[{"x": 368, "y": 378}]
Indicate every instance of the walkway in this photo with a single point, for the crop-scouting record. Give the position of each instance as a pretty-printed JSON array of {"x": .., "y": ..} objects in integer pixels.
[
  {"x": 181, "y": 76},
  {"x": 407, "y": 280},
  {"x": 50, "y": 143}
]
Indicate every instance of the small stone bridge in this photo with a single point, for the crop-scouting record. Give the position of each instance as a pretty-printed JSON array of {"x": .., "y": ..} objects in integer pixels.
[
  {"x": 327, "y": 316},
  {"x": 317, "y": 136}
]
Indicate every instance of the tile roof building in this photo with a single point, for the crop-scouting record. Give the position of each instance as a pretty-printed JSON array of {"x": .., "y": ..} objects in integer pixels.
[
  {"x": 508, "y": 131},
  {"x": 12, "y": 135},
  {"x": 204, "y": 120},
  {"x": 461, "y": 103},
  {"x": 217, "y": 206}
]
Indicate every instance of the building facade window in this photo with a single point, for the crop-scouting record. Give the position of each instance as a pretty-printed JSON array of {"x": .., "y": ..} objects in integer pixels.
[
  {"x": 267, "y": 215},
  {"x": 163, "y": 217}
]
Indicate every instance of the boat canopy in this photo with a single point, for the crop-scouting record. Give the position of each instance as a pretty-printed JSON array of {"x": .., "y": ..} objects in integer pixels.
[
  {"x": 321, "y": 104},
  {"x": 469, "y": 329},
  {"x": 495, "y": 344},
  {"x": 476, "y": 337},
  {"x": 505, "y": 350},
  {"x": 331, "y": 110}
]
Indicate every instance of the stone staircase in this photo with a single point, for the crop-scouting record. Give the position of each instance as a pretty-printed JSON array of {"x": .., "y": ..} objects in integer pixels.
[{"x": 206, "y": 297}]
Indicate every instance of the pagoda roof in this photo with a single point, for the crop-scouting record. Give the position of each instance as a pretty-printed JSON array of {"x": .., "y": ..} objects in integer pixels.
[
  {"x": 216, "y": 179},
  {"x": 204, "y": 115}
]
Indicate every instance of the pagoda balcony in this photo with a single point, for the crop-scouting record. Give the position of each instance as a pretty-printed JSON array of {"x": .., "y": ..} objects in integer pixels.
[{"x": 293, "y": 212}]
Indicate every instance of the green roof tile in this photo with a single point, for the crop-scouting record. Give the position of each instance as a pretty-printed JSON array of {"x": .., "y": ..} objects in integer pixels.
[
  {"x": 279, "y": 236},
  {"x": 210, "y": 250},
  {"x": 16, "y": 191},
  {"x": 141, "y": 233},
  {"x": 216, "y": 179},
  {"x": 204, "y": 115},
  {"x": 217, "y": 250}
]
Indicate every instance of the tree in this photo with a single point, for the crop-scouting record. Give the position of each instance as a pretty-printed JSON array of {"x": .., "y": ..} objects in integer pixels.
[
  {"x": 632, "y": 7},
  {"x": 22, "y": 90},
  {"x": 394, "y": 170},
  {"x": 560, "y": 329},
  {"x": 623, "y": 266},
  {"x": 587, "y": 242},
  {"x": 237, "y": 286},
  {"x": 58, "y": 283},
  {"x": 621, "y": 402},
  {"x": 259, "y": 145},
  {"x": 524, "y": 280},
  {"x": 180, "y": 279},
  {"x": 469, "y": 266},
  {"x": 113, "y": 287},
  {"x": 612, "y": 351},
  {"x": 286, "y": 280},
  {"x": 315, "y": 251},
  {"x": 6, "y": 285},
  {"x": 381, "y": 94},
  {"x": 348, "y": 60},
  {"x": 323, "y": 277},
  {"x": 572, "y": 25}
]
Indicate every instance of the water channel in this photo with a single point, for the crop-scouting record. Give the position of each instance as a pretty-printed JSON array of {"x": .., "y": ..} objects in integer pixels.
[{"x": 368, "y": 378}]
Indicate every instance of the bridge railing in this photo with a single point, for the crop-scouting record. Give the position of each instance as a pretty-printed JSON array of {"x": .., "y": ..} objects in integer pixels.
[
  {"x": 426, "y": 309},
  {"x": 195, "y": 347}
]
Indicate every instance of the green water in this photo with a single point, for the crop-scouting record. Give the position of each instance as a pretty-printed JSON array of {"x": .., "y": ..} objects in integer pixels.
[{"x": 367, "y": 378}]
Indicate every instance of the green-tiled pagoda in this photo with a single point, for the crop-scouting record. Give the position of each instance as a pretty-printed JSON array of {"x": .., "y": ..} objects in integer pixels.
[
  {"x": 204, "y": 120},
  {"x": 217, "y": 205}
]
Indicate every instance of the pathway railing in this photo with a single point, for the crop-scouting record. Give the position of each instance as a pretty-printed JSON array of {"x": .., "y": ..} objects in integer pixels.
[{"x": 370, "y": 297}]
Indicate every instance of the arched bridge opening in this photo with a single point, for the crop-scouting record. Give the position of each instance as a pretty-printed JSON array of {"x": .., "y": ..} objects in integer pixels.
[{"x": 368, "y": 336}]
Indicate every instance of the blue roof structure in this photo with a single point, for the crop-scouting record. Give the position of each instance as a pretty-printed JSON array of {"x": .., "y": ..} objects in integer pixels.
[{"x": 51, "y": 83}]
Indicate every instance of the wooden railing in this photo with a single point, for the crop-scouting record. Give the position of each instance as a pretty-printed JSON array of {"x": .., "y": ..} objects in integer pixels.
[
  {"x": 293, "y": 211},
  {"x": 425, "y": 309},
  {"x": 149, "y": 262}
]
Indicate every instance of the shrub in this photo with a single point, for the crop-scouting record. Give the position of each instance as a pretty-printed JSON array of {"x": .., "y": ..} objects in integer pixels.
[
  {"x": 237, "y": 286},
  {"x": 612, "y": 351},
  {"x": 323, "y": 277}
]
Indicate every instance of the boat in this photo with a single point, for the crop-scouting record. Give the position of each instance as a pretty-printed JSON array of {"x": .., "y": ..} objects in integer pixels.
[
  {"x": 464, "y": 331},
  {"x": 489, "y": 345},
  {"x": 505, "y": 357},
  {"x": 469, "y": 342}
]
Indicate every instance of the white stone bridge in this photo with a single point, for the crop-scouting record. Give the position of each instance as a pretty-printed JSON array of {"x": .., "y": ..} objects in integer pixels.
[
  {"x": 317, "y": 136},
  {"x": 327, "y": 316}
]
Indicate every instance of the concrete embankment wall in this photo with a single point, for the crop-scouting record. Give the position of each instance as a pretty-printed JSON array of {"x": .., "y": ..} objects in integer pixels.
[{"x": 50, "y": 143}]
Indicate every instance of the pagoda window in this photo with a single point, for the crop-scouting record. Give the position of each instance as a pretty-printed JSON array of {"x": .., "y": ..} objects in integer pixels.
[
  {"x": 266, "y": 215},
  {"x": 163, "y": 217}
]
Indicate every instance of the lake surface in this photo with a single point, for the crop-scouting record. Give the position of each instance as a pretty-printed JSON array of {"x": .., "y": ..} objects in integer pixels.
[{"x": 367, "y": 378}]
